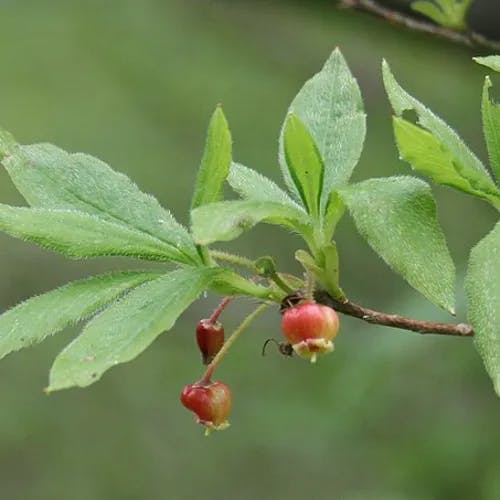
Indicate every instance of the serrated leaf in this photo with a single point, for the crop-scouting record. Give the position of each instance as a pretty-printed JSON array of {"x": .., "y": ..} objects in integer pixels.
[
  {"x": 226, "y": 220},
  {"x": 397, "y": 217},
  {"x": 78, "y": 235},
  {"x": 49, "y": 177},
  {"x": 215, "y": 163},
  {"x": 426, "y": 154},
  {"x": 330, "y": 106},
  {"x": 125, "y": 329},
  {"x": 251, "y": 185},
  {"x": 304, "y": 163},
  {"x": 492, "y": 62},
  {"x": 491, "y": 128},
  {"x": 465, "y": 161},
  {"x": 38, "y": 317},
  {"x": 482, "y": 285}
]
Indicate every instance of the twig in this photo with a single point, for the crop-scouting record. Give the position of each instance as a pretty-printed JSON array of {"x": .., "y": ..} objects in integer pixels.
[
  {"x": 470, "y": 38},
  {"x": 393, "y": 320}
]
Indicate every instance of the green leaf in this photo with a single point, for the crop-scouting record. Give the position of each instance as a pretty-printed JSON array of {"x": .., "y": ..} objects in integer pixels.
[
  {"x": 334, "y": 211},
  {"x": 491, "y": 128},
  {"x": 304, "y": 163},
  {"x": 125, "y": 329},
  {"x": 38, "y": 317},
  {"x": 463, "y": 158},
  {"x": 77, "y": 234},
  {"x": 251, "y": 185},
  {"x": 450, "y": 13},
  {"x": 431, "y": 10},
  {"x": 215, "y": 163},
  {"x": 226, "y": 220},
  {"x": 397, "y": 217},
  {"x": 49, "y": 177},
  {"x": 330, "y": 106},
  {"x": 427, "y": 155},
  {"x": 492, "y": 62},
  {"x": 482, "y": 285}
]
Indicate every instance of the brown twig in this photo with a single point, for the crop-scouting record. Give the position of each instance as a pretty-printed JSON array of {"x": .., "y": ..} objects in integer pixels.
[
  {"x": 469, "y": 38},
  {"x": 393, "y": 320}
]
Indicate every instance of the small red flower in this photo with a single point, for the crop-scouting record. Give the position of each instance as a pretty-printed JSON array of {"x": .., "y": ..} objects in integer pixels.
[
  {"x": 210, "y": 338},
  {"x": 310, "y": 328},
  {"x": 210, "y": 401}
]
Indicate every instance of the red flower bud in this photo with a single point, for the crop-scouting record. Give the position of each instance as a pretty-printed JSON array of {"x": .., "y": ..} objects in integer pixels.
[
  {"x": 210, "y": 401},
  {"x": 210, "y": 338},
  {"x": 310, "y": 328}
]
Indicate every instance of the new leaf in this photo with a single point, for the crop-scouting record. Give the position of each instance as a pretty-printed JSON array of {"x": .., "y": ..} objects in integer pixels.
[
  {"x": 331, "y": 108},
  {"x": 215, "y": 162},
  {"x": 304, "y": 163}
]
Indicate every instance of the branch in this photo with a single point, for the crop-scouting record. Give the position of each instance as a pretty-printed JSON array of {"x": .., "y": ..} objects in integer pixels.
[
  {"x": 470, "y": 38},
  {"x": 393, "y": 320}
]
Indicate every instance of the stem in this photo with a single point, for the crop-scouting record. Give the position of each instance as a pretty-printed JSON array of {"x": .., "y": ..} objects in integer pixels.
[
  {"x": 281, "y": 283},
  {"x": 233, "y": 259},
  {"x": 309, "y": 291},
  {"x": 393, "y": 320},
  {"x": 220, "y": 308},
  {"x": 229, "y": 342},
  {"x": 470, "y": 38}
]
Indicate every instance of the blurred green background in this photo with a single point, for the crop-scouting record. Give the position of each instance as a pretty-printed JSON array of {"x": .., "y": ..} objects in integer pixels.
[{"x": 390, "y": 415}]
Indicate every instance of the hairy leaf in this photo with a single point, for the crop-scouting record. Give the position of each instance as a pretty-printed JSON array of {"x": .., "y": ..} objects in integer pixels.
[
  {"x": 226, "y": 220},
  {"x": 251, "y": 185},
  {"x": 33, "y": 320},
  {"x": 492, "y": 62},
  {"x": 330, "y": 106},
  {"x": 426, "y": 154},
  {"x": 215, "y": 162},
  {"x": 397, "y": 217},
  {"x": 49, "y": 177},
  {"x": 77, "y": 234},
  {"x": 125, "y": 329},
  {"x": 491, "y": 128},
  {"x": 465, "y": 162},
  {"x": 483, "y": 293},
  {"x": 304, "y": 163}
]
